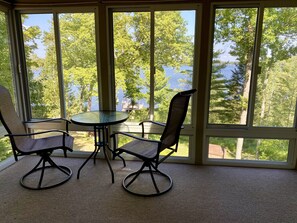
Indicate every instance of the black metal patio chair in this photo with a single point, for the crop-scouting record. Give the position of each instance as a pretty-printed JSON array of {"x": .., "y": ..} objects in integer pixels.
[
  {"x": 149, "y": 150},
  {"x": 23, "y": 143}
]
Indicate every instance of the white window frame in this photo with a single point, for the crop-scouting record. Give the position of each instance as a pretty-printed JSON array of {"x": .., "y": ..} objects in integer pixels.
[
  {"x": 190, "y": 129},
  {"x": 247, "y": 131}
]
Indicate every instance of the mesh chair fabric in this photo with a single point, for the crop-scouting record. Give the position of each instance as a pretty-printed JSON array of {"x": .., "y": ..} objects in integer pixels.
[
  {"x": 176, "y": 116},
  {"x": 141, "y": 148}
]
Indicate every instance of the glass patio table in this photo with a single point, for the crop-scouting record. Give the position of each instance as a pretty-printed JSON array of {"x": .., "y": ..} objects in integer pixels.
[{"x": 100, "y": 120}]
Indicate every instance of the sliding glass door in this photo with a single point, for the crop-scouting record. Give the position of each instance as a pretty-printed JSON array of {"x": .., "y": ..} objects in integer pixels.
[
  {"x": 61, "y": 63},
  {"x": 252, "y": 98},
  {"x": 153, "y": 60},
  {"x": 61, "y": 60}
]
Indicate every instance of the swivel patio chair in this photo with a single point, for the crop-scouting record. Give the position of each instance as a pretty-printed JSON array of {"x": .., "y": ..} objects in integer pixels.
[
  {"x": 23, "y": 143},
  {"x": 149, "y": 150}
]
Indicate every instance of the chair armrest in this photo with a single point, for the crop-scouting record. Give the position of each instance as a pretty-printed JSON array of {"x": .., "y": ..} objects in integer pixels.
[
  {"x": 156, "y": 123},
  {"x": 50, "y": 120},
  {"x": 38, "y": 133},
  {"x": 134, "y": 137},
  {"x": 153, "y": 122}
]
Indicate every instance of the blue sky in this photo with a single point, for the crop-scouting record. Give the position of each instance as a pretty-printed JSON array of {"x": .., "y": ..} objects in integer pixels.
[{"x": 43, "y": 21}]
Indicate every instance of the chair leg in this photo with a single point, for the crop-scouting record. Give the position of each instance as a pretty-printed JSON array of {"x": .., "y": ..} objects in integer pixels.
[
  {"x": 42, "y": 173},
  {"x": 153, "y": 179},
  {"x": 53, "y": 164},
  {"x": 34, "y": 168},
  {"x": 152, "y": 170},
  {"x": 136, "y": 175},
  {"x": 46, "y": 158}
]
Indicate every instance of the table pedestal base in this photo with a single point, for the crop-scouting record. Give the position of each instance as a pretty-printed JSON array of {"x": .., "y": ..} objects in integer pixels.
[{"x": 101, "y": 141}]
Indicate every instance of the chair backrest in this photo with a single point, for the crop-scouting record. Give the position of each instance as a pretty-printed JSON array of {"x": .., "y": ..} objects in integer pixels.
[
  {"x": 8, "y": 115},
  {"x": 177, "y": 112}
]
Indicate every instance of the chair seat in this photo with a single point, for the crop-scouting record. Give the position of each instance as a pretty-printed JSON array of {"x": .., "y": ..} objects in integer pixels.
[
  {"x": 30, "y": 145},
  {"x": 141, "y": 149}
]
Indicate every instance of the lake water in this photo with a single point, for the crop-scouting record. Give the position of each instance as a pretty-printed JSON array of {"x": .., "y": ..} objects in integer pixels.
[{"x": 174, "y": 83}]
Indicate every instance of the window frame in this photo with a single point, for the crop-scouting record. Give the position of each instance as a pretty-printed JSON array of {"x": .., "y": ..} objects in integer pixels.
[
  {"x": 247, "y": 131},
  {"x": 133, "y": 127},
  {"x": 22, "y": 64}
]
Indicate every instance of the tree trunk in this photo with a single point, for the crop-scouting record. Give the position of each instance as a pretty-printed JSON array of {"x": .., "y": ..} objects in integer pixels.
[{"x": 245, "y": 98}]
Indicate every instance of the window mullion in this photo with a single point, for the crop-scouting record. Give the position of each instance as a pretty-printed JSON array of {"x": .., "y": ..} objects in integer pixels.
[
  {"x": 59, "y": 65},
  {"x": 152, "y": 67},
  {"x": 256, "y": 68}
]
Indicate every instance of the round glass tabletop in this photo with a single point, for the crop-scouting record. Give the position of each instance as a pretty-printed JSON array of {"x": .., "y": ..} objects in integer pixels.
[{"x": 100, "y": 118}]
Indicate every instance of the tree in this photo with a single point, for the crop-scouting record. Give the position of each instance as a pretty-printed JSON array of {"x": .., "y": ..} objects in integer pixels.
[
  {"x": 238, "y": 25},
  {"x": 78, "y": 44},
  {"x": 131, "y": 45},
  {"x": 278, "y": 43},
  {"x": 77, "y": 38},
  {"x": 30, "y": 35},
  {"x": 218, "y": 93},
  {"x": 280, "y": 103},
  {"x": 5, "y": 77},
  {"x": 235, "y": 103},
  {"x": 173, "y": 48}
]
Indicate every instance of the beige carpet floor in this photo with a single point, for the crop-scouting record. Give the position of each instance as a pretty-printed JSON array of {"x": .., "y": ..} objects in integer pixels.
[{"x": 199, "y": 194}]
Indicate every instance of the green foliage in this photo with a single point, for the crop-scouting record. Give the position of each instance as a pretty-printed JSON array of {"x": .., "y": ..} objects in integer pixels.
[
  {"x": 77, "y": 32},
  {"x": 30, "y": 35},
  {"x": 237, "y": 25},
  {"x": 276, "y": 82},
  {"x": 274, "y": 150},
  {"x": 218, "y": 92},
  {"x": 173, "y": 48},
  {"x": 229, "y": 95},
  {"x": 276, "y": 97},
  {"x": 79, "y": 60},
  {"x": 6, "y": 79},
  {"x": 5, "y": 65},
  {"x": 236, "y": 103},
  {"x": 131, "y": 49},
  {"x": 280, "y": 95},
  {"x": 5, "y": 149},
  {"x": 255, "y": 149}
]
